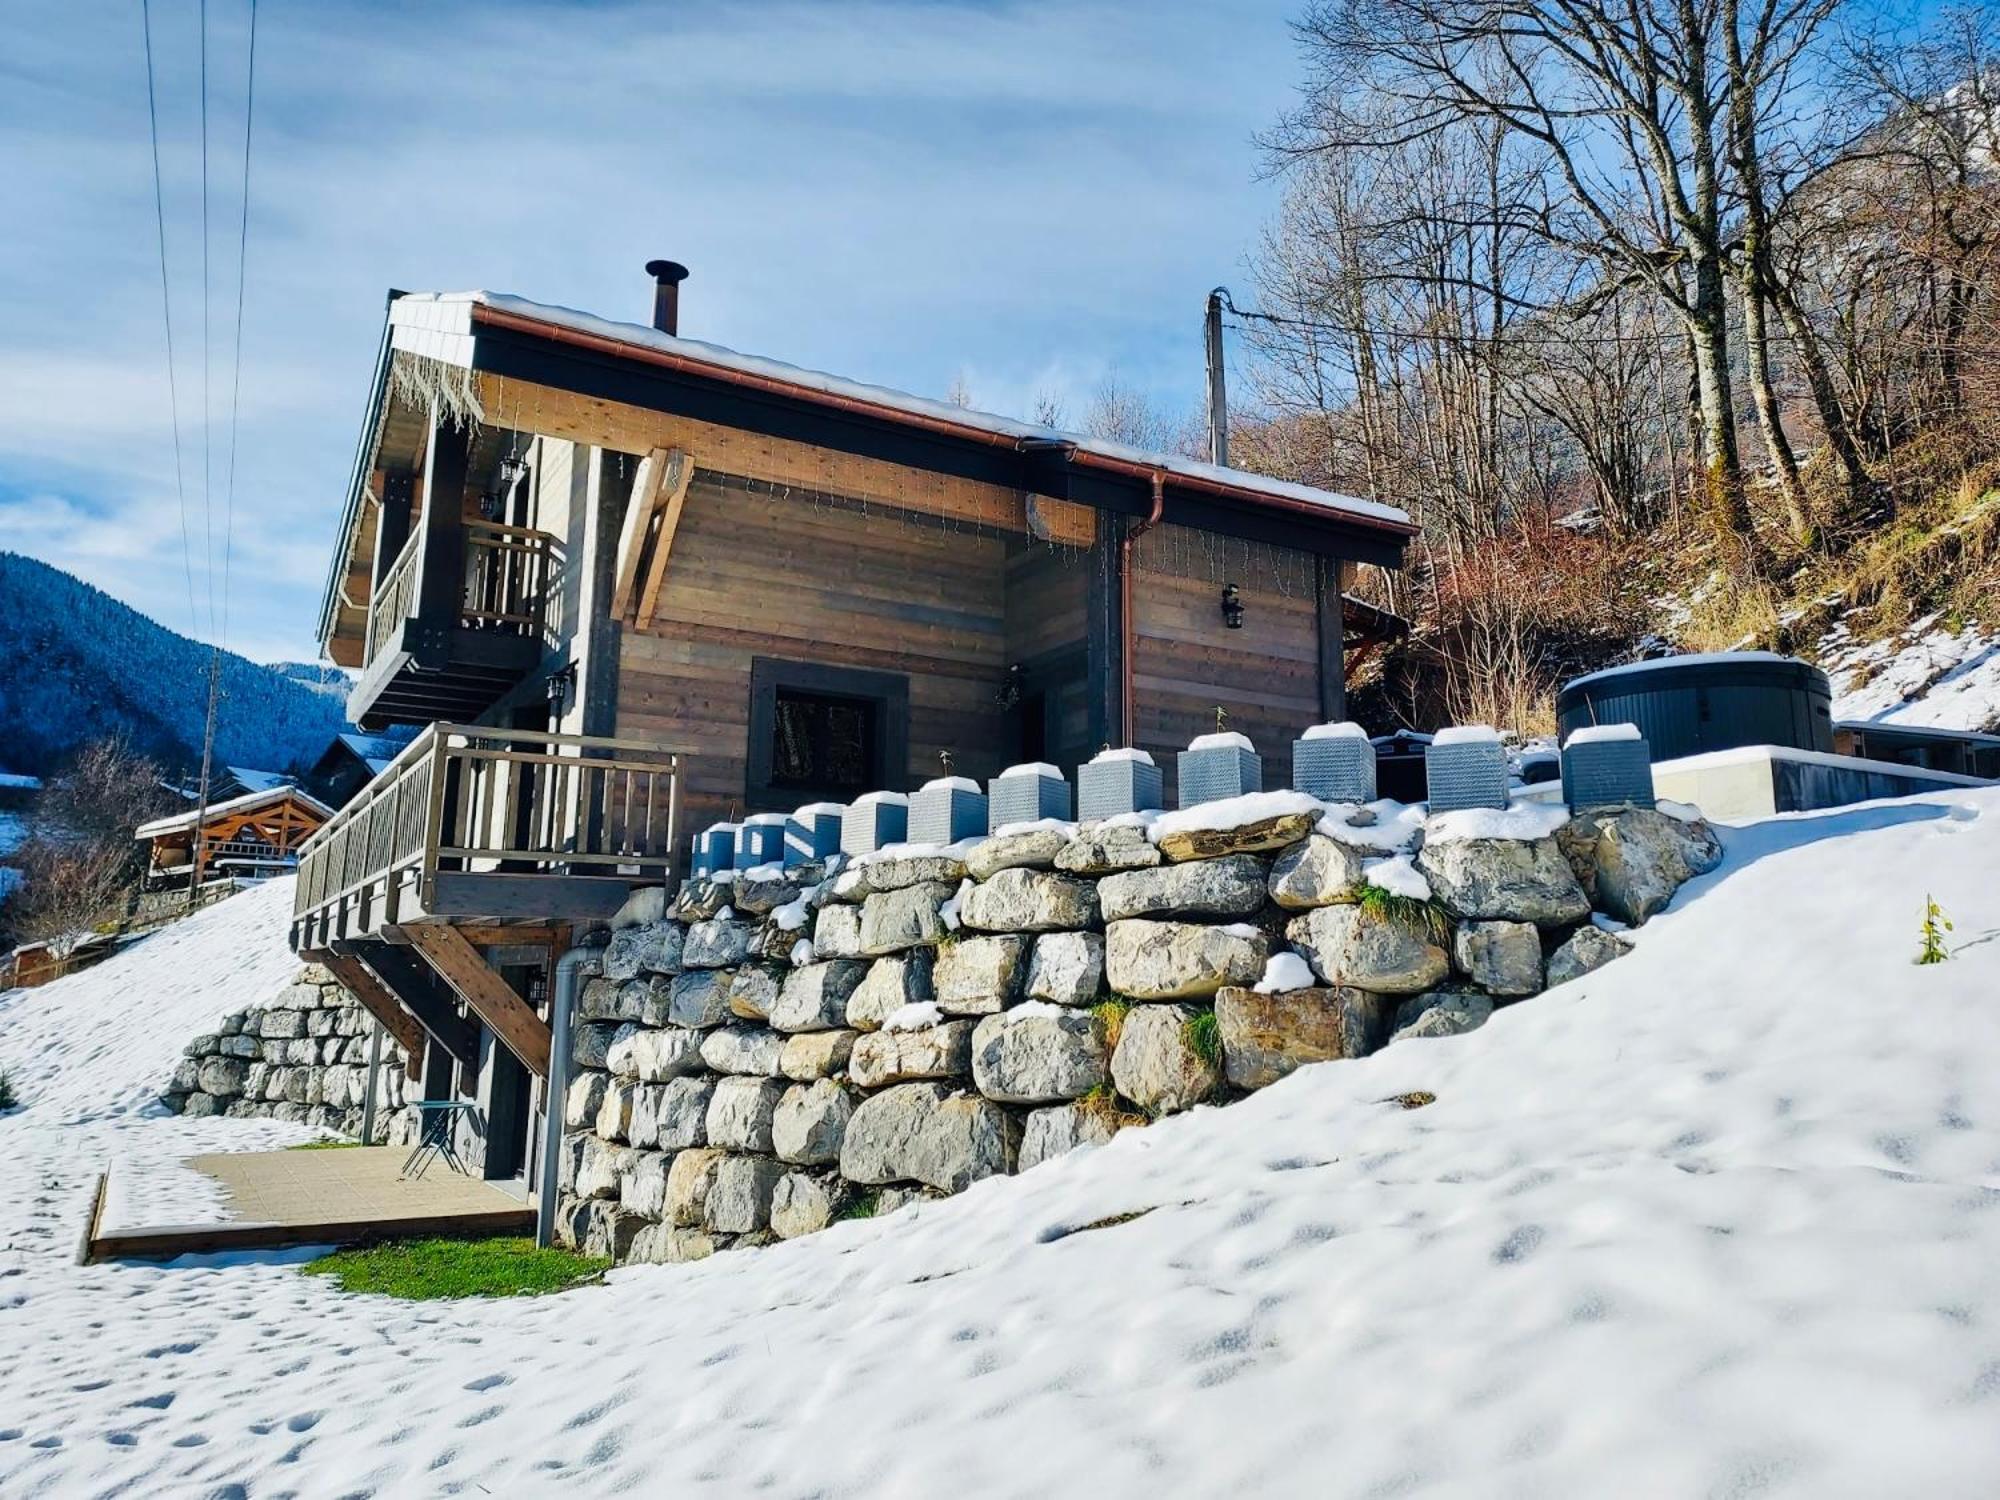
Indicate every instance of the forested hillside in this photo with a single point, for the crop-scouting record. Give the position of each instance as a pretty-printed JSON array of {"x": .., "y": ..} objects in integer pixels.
[
  {"x": 77, "y": 666},
  {"x": 1673, "y": 328}
]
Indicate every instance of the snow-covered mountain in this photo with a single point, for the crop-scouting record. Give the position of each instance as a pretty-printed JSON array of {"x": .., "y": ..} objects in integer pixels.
[{"x": 77, "y": 665}]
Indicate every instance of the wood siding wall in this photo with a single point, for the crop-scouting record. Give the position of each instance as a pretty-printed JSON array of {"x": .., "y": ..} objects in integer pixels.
[
  {"x": 1186, "y": 661},
  {"x": 799, "y": 579}
]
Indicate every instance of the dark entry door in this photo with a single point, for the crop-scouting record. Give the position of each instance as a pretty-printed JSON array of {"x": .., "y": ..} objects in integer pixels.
[{"x": 1051, "y": 712}]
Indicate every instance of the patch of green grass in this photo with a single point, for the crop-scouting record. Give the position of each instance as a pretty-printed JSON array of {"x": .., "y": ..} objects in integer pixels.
[
  {"x": 334, "y": 1145},
  {"x": 862, "y": 1207},
  {"x": 443, "y": 1270},
  {"x": 1102, "y": 1103},
  {"x": 1203, "y": 1034},
  {"x": 1406, "y": 911},
  {"x": 1111, "y": 1016}
]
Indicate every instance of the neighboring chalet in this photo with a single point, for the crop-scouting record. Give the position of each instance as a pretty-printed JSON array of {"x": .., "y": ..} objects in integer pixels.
[
  {"x": 636, "y": 583},
  {"x": 252, "y": 835},
  {"x": 349, "y": 763}
]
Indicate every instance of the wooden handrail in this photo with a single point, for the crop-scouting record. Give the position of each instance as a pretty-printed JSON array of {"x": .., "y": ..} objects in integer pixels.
[{"x": 468, "y": 798}]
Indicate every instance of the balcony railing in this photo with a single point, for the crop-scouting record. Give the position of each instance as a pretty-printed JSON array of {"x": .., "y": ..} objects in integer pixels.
[
  {"x": 464, "y": 801},
  {"x": 511, "y": 573}
]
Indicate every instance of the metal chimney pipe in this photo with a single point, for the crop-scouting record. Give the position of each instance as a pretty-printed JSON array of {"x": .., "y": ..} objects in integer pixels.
[
  {"x": 1218, "y": 397},
  {"x": 667, "y": 278}
]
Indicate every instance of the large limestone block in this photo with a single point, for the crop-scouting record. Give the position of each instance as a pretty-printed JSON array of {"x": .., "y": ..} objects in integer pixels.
[
  {"x": 1506, "y": 880},
  {"x": 643, "y": 1188},
  {"x": 700, "y": 998},
  {"x": 890, "y": 984},
  {"x": 814, "y": 998},
  {"x": 806, "y": 1202},
  {"x": 761, "y": 892},
  {"x": 280, "y": 1025},
  {"x": 753, "y": 990},
  {"x": 813, "y": 1055},
  {"x": 741, "y": 1111},
  {"x": 223, "y": 1076},
  {"x": 689, "y": 1179},
  {"x": 1441, "y": 1013},
  {"x": 649, "y": 999},
  {"x": 1038, "y": 1054},
  {"x": 683, "y": 1113},
  {"x": 923, "y": 1132},
  {"x": 589, "y": 1045},
  {"x": 1105, "y": 848},
  {"x": 698, "y": 900},
  {"x": 1264, "y": 836},
  {"x": 1066, "y": 968},
  {"x": 1584, "y": 950},
  {"x": 641, "y": 909},
  {"x": 810, "y": 1121},
  {"x": 599, "y": 1000},
  {"x": 614, "y": 1115},
  {"x": 738, "y": 1200},
  {"x": 751, "y": 1050},
  {"x": 885, "y": 1057},
  {"x": 837, "y": 931},
  {"x": 672, "y": 1052},
  {"x": 1023, "y": 900},
  {"x": 879, "y": 876},
  {"x": 1377, "y": 951},
  {"x": 976, "y": 976},
  {"x": 1631, "y": 863},
  {"x": 906, "y": 917},
  {"x": 643, "y": 1128},
  {"x": 1267, "y": 1036},
  {"x": 654, "y": 949},
  {"x": 1232, "y": 886},
  {"x": 1502, "y": 958},
  {"x": 618, "y": 1056},
  {"x": 1026, "y": 849},
  {"x": 1060, "y": 1129},
  {"x": 600, "y": 1169},
  {"x": 1319, "y": 872},
  {"x": 717, "y": 943},
  {"x": 1158, "y": 1063},
  {"x": 1154, "y": 960}
]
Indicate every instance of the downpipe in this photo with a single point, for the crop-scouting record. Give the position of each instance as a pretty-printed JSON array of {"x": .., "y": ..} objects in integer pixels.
[{"x": 562, "y": 1005}]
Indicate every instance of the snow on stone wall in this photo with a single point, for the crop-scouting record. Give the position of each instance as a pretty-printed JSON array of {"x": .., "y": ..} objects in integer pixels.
[{"x": 967, "y": 1012}]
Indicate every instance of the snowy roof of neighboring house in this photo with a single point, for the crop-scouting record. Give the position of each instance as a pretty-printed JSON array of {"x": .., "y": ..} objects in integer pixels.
[
  {"x": 448, "y": 315},
  {"x": 253, "y": 780},
  {"x": 248, "y": 802}
]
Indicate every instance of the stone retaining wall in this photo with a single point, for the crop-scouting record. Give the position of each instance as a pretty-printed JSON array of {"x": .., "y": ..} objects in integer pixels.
[
  {"x": 792, "y": 1047},
  {"x": 303, "y": 1056}
]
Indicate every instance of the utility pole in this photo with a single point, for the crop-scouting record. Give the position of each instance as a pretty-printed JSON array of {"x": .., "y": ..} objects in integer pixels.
[
  {"x": 1218, "y": 396},
  {"x": 207, "y": 760}
]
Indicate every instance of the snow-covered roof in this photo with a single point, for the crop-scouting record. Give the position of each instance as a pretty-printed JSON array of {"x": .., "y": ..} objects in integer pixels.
[
  {"x": 440, "y": 323},
  {"x": 253, "y": 780},
  {"x": 248, "y": 802},
  {"x": 375, "y": 750}
]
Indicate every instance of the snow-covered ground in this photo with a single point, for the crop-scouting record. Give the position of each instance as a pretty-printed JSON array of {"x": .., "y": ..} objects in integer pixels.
[
  {"x": 1721, "y": 1219},
  {"x": 1926, "y": 675}
]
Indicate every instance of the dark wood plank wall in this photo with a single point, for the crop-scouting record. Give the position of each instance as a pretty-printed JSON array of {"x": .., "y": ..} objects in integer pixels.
[
  {"x": 1046, "y": 585},
  {"x": 1186, "y": 661},
  {"x": 755, "y": 575}
]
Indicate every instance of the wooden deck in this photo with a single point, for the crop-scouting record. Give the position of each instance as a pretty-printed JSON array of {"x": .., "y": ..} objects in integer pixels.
[{"x": 278, "y": 1199}]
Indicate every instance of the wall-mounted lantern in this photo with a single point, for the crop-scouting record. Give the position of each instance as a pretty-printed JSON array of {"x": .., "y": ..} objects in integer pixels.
[
  {"x": 561, "y": 688},
  {"x": 1232, "y": 607}
]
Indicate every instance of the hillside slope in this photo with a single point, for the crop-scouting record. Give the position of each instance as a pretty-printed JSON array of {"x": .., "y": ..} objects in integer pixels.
[
  {"x": 76, "y": 665},
  {"x": 1720, "y": 1219}
]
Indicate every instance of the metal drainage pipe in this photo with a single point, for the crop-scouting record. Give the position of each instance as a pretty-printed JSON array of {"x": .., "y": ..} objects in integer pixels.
[{"x": 569, "y": 971}]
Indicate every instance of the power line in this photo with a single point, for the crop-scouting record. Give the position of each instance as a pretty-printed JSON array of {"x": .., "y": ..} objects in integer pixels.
[
  {"x": 207, "y": 408},
  {"x": 236, "y": 375},
  {"x": 167, "y": 310}
]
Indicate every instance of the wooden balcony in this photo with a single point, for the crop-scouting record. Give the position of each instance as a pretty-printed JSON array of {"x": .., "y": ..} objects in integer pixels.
[
  {"x": 456, "y": 620},
  {"x": 490, "y": 825}
]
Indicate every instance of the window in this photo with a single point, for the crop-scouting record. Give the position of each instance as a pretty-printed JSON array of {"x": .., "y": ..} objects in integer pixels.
[
  {"x": 819, "y": 731},
  {"x": 821, "y": 742}
]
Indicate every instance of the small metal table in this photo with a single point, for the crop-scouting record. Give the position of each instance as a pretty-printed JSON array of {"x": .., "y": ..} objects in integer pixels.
[{"x": 438, "y": 1124}]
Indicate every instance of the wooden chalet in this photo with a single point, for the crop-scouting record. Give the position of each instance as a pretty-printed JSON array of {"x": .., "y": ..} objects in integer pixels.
[
  {"x": 251, "y": 835},
  {"x": 632, "y": 583}
]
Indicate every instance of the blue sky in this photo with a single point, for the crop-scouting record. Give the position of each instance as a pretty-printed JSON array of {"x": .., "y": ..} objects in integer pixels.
[{"x": 1029, "y": 195}]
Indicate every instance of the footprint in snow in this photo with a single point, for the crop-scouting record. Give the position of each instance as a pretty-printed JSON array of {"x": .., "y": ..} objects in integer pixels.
[
  {"x": 486, "y": 1382},
  {"x": 160, "y": 1402},
  {"x": 305, "y": 1421},
  {"x": 1519, "y": 1245}
]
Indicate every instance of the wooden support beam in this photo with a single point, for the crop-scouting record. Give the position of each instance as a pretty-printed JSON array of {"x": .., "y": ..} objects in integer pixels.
[
  {"x": 413, "y": 982},
  {"x": 673, "y": 497},
  {"x": 1327, "y": 580},
  {"x": 632, "y": 534},
  {"x": 490, "y": 997},
  {"x": 379, "y": 1001}
]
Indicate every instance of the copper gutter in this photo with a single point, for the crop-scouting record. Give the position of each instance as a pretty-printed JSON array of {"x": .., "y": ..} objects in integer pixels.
[
  {"x": 665, "y": 359},
  {"x": 1127, "y": 709}
]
